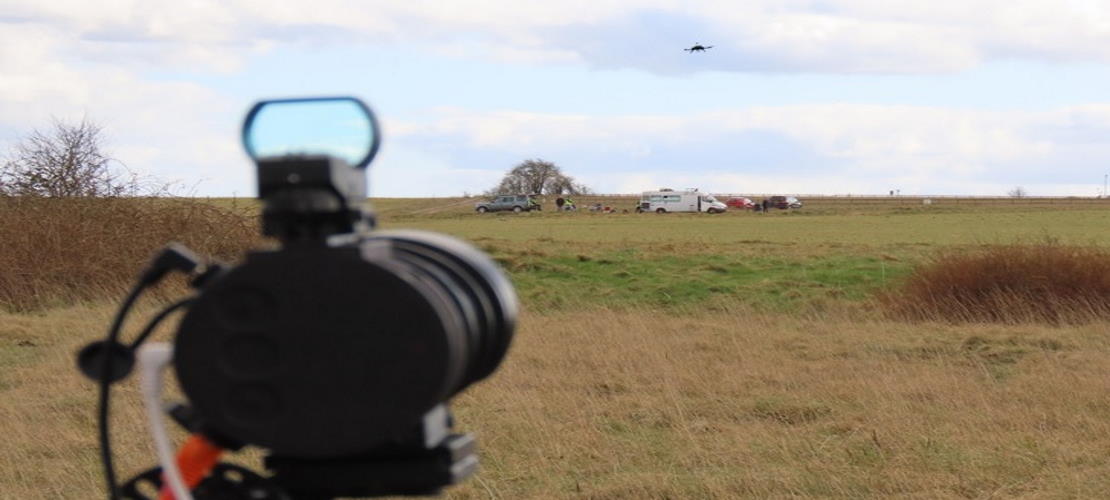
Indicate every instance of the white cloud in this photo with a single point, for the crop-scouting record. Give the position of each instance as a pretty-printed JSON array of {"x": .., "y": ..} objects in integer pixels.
[
  {"x": 404, "y": 172},
  {"x": 852, "y": 148},
  {"x": 175, "y": 131},
  {"x": 68, "y": 58},
  {"x": 853, "y": 131},
  {"x": 766, "y": 35}
]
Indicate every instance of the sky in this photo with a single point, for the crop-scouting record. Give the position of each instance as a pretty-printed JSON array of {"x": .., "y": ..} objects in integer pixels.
[{"x": 971, "y": 97}]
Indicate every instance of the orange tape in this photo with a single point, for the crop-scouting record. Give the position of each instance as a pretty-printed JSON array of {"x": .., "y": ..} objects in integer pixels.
[{"x": 196, "y": 459}]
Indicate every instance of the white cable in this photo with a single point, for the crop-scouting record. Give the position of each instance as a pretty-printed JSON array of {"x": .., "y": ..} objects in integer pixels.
[{"x": 153, "y": 359}]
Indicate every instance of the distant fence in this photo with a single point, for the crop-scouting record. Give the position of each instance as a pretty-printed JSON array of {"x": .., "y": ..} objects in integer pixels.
[
  {"x": 915, "y": 200},
  {"x": 810, "y": 200},
  {"x": 627, "y": 202}
]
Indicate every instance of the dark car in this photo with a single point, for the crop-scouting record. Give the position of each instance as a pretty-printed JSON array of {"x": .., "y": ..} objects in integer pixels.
[{"x": 785, "y": 202}]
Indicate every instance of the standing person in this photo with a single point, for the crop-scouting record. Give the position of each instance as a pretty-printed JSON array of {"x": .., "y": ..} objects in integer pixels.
[
  {"x": 559, "y": 204},
  {"x": 766, "y": 205}
]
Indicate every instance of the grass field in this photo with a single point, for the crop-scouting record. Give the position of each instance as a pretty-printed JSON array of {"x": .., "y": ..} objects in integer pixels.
[
  {"x": 784, "y": 260},
  {"x": 686, "y": 356}
]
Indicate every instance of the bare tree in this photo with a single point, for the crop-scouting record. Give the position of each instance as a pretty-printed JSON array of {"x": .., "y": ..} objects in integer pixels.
[
  {"x": 66, "y": 161},
  {"x": 538, "y": 176},
  {"x": 1017, "y": 192}
]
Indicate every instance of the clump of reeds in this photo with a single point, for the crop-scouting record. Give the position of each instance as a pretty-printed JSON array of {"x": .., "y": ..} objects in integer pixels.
[
  {"x": 1044, "y": 283},
  {"x": 64, "y": 250}
]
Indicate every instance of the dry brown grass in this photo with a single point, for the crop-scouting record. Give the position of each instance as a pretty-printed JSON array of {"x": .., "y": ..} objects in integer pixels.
[
  {"x": 61, "y": 250},
  {"x": 1044, "y": 282},
  {"x": 715, "y": 402},
  {"x": 642, "y": 405},
  {"x": 603, "y": 404}
]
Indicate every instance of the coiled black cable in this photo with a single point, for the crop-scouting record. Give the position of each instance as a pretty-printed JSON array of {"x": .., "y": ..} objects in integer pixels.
[
  {"x": 103, "y": 423},
  {"x": 105, "y": 384},
  {"x": 173, "y": 257}
]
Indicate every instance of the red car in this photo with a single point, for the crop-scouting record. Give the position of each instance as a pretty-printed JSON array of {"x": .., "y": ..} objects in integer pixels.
[{"x": 740, "y": 202}]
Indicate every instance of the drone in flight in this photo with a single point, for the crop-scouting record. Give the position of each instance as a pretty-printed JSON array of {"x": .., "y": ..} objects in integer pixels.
[{"x": 698, "y": 48}]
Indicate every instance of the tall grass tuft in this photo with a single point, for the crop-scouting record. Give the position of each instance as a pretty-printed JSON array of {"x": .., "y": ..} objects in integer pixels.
[
  {"x": 64, "y": 250},
  {"x": 1042, "y": 283}
]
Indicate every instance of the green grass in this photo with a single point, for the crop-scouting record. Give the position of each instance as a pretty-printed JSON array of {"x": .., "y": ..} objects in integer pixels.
[
  {"x": 626, "y": 277},
  {"x": 921, "y": 228},
  {"x": 783, "y": 261},
  {"x": 873, "y": 225}
]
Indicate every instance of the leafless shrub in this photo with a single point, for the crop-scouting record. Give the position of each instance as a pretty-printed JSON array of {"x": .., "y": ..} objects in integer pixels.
[
  {"x": 68, "y": 160},
  {"x": 65, "y": 250}
]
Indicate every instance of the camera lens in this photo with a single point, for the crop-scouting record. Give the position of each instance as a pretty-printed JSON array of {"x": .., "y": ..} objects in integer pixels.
[{"x": 480, "y": 291}]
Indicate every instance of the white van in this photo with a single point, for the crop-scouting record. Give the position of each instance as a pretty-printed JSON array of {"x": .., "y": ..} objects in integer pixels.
[{"x": 668, "y": 200}]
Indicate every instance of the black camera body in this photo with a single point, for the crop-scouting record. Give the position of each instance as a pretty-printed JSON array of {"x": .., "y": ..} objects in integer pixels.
[
  {"x": 301, "y": 350},
  {"x": 325, "y": 352},
  {"x": 336, "y": 352}
]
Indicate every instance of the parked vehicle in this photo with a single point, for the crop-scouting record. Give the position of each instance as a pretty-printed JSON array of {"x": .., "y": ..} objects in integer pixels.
[
  {"x": 740, "y": 202},
  {"x": 667, "y": 200},
  {"x": 785, "y": 202},
  {"x": 515, "y": 202}
]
